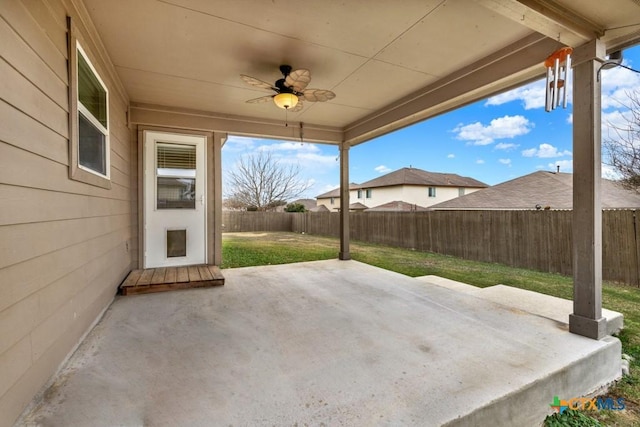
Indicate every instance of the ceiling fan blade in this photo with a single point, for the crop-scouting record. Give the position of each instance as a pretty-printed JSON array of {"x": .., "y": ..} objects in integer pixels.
[
  {"x": 256, "y": 82},
  {"x": 260, "y": 100},
  {"x": 318, "y": 95},
  {"x": 298, "y": 79},
  {"x": 298, "y": 106}
]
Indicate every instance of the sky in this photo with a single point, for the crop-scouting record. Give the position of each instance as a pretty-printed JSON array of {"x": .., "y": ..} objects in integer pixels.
[{"x": 493, "y": 140}]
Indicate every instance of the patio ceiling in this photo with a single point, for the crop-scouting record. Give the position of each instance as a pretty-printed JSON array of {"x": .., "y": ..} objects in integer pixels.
[{"x": 390, "y": 63}]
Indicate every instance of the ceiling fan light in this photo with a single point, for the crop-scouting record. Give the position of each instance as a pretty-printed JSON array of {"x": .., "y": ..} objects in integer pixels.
[{"x": 285, "y": 100}]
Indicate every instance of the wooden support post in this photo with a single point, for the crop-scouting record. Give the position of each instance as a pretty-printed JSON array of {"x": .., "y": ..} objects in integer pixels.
[
  {"x": 216, "y": 168},
  {"x": 587, "y": 317},
  {"x": 344, "y": 202}
]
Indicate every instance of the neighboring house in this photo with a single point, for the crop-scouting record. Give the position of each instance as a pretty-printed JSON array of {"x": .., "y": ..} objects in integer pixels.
[
  {"x": 331, "y": 199},
  {"x": 410, "y": 185},
  {"x": 539, "y": 190}
]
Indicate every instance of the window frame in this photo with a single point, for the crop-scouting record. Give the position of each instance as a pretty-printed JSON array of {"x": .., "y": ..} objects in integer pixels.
[
  {"x": 78, "y": 172},
  {"x": 359, "y": 194},
  {"x": 368, "y": 193},
  {"x": 432, "y": 192}
]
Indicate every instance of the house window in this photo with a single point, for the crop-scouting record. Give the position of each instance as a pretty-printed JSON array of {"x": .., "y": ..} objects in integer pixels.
[
  {"x": 432, "y": 191},
  {"x": 359, "y": 194},
  {"x": 88, "y": 118},
  {"x": 368, "y": 193},
  {"x": 461, "y": 191},
  {"x": 332, "y": 200},
  {"x": 93, "y": 133}
]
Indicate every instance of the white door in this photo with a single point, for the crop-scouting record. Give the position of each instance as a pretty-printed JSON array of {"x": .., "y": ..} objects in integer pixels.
[{"x": 174, "y": 199}]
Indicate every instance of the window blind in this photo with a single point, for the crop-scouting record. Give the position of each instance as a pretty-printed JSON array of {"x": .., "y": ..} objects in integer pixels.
[{"x": 176, "y": 156}]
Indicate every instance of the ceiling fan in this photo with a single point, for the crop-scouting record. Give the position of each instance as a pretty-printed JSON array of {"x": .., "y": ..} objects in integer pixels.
[{"x": 290, "y": 90}]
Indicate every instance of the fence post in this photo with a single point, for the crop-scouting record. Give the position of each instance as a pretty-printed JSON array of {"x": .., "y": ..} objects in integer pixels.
[{"x": 636, "y": 236}]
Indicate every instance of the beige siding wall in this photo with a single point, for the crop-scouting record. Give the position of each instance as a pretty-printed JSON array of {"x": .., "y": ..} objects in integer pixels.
[
  {"x": 332, "y": 207},
  {"x": 64, "y": 245}
]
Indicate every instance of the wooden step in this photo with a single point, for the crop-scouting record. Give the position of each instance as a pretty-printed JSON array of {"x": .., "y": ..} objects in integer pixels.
[{"x": 171, "y": 278}]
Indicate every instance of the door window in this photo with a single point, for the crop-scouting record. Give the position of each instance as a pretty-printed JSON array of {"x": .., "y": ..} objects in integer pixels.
[{"x": 176, "y": 176}]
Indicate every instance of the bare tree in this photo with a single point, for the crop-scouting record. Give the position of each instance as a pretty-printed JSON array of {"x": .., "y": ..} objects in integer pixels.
[
  {"x": 623, "y": 150},
  {"x": 233, "y": 204},
  {"x": 259, "y": 181}
]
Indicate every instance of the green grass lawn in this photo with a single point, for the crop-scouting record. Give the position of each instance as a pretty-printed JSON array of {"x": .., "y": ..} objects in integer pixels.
[{"x": 264, "y": 248}]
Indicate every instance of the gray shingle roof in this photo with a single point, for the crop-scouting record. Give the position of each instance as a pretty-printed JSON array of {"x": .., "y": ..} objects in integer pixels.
[
  {"x": 551, "y": 189},
  {"x": 336, "y": 191},
  {"x": 413, "y": 176},
  {"x": 357, "y": 206},
  {"x": 321, "y": 208}
]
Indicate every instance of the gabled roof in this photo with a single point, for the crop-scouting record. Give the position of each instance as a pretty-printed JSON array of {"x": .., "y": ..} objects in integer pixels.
[
  {"x": 397, "y": 206},
  {"x": 546, "y": 189},
  {"x": 413, "y": 176},
  {"x": 321, "y": 208},
  {"x": 357, "y": 206},
  {"x": 336, "y": 191}
]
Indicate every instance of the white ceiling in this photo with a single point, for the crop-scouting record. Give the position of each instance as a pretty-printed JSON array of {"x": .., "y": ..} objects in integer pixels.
[{"x": 390, "y": 63}]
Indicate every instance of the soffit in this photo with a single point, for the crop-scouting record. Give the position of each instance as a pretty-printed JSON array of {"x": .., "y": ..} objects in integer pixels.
[{"x": 374, "y": 54}]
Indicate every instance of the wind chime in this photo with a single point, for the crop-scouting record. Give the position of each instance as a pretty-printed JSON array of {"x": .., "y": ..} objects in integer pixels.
[{"x": 558, "y": 65}]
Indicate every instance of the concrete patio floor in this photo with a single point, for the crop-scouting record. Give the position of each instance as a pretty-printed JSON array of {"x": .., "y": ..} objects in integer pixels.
[{"x": 322, "y": 343}]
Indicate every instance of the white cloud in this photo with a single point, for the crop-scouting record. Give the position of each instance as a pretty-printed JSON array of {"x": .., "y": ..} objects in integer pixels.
[
  {"x": 565, "y": 165},
  {"x": 531, "y": 95},
  {"x": 545, "y": 151},
  {"x": 289, "y": 146},
  {"x": 506, "y": 146},
  {"x": 609, "y": 172},
  {"x": 314, "y": 160},
  {"x": 480, "y": 162},
  {"x": 615, "y": 124},
  {"x": 238, "y": 143},
  {"x": 500, "y": 128},
  {"x": 382, "y": 169},
  {"x": 616, "y": 83},
  {"x": 505, "y": 161},
  {"x": 451, "y": 156},
  {"x": 617, "y": 119},
  {"x": 307, "y": 156}
]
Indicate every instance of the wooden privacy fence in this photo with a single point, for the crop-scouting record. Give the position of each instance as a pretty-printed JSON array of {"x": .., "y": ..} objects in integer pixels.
[
  {"x": 538, "y": 240},
  {"x": 256, "y": 221}
]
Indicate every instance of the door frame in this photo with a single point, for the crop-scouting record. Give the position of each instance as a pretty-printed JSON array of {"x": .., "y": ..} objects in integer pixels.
[
  {"x": 213, "y": 180},
  {"x": 157, "y": 221}
]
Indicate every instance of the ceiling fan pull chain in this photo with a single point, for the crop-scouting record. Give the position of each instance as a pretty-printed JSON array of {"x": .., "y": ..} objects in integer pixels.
[{"x": 301, "y": 133}]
